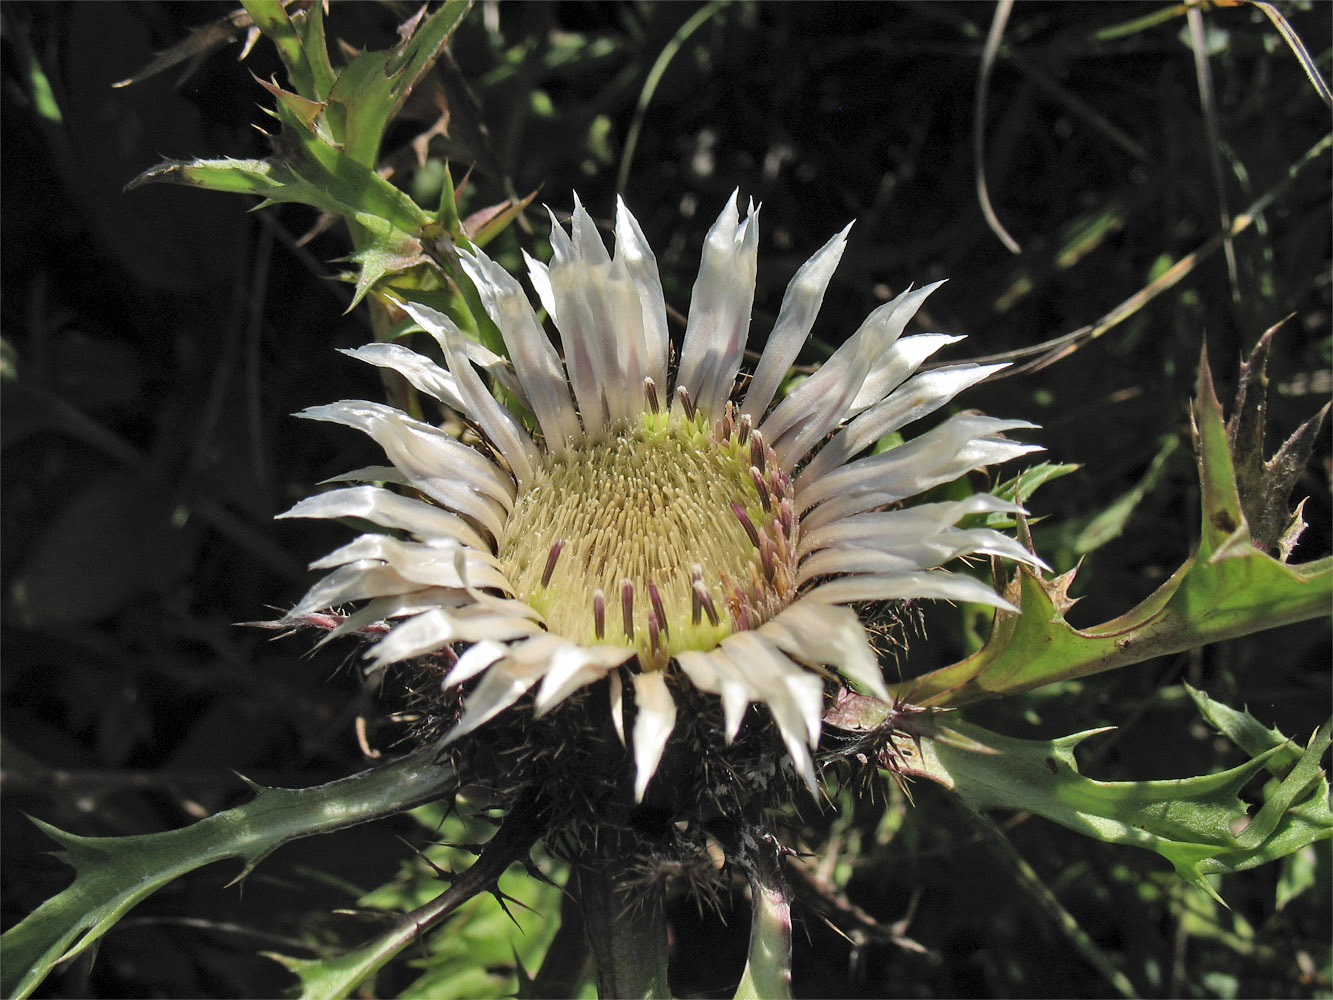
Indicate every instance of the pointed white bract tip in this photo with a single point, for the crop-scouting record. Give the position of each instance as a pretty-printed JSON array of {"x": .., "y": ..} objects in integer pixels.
[
  {"x": 618, "y": 705},
  {"x": 582, "y": 225},
  {"x": 748, "y": 233},
  {"x": 805, "y": 767},
  {"x": 723, "y": 230},
  {"x": 469, "y": 252},
  {"x": 430, "y": 320},
  {"x": 561, "y": 245},
  {"x": 733, "y": 709},
  {"x": 655, "y": 717}
]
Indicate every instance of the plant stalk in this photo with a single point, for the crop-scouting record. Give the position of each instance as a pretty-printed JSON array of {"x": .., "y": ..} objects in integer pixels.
[
  {"x": 768, "y": 968},
  {"x": 625, "y": 926}
]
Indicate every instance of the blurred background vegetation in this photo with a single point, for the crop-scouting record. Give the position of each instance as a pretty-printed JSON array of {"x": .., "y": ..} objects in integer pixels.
[{"x": 155, "y": 343}]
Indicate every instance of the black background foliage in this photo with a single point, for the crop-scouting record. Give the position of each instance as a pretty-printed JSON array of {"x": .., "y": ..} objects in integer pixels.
[{"x": 156, "y": 341}]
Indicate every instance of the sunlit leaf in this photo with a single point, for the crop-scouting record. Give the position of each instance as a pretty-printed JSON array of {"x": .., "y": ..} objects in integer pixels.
[
  {"x": 333, "y": 978},
  {"x": 372, "y": 87},
  {"x": 1227, "y": 588},
  {"x": 277, "y": 25},
  {"x": 1192, "y": 822},
  {"x": 1021, "y": 488},
  {"x": 332, "y": 125},
  {"x": 112, "y": 874}
]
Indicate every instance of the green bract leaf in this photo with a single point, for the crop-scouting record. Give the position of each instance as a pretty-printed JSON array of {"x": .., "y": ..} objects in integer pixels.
[
  {"x": 112, "y": 874},
  {"x": 1190, "y": 821},
  {"x": 1296, "y": 812},
  {"x": 332, "y": 125},
  {"x": 308, "y": 167},
  {"x": 1227, "y": 588},
  {"x": 387, "y": 221},
  {"x": 299, "y": 41},
  {"x": 1022, "y": 486},
  {"x": 372, "y": 87}
]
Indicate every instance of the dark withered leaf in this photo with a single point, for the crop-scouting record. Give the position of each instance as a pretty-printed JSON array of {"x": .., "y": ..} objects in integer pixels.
[
  {"x": 1265, "y": 486},
  {"x": 197, "y": 45}
]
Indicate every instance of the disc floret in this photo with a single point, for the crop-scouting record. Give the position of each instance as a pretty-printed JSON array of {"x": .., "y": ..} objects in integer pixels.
[{"x": 664, "y": 534}]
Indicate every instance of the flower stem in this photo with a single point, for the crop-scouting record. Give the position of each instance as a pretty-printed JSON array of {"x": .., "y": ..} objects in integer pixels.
[
  {"x": 768, "y": 968},
  {"x": 625, "y": 926}
]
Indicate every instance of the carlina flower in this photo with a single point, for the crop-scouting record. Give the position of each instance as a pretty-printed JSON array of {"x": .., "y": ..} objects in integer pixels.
[{"x": 613, "y": 526}]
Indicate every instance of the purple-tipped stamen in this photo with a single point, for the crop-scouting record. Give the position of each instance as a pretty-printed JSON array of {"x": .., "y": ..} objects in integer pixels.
[
  {"x": 627, "y": 606},
  {"x": 683, "y": 395},
  {"x": 703, "y": 600},
  {"x": 656, "y": 599},
  {"x": 599, "y": 614},
  {"x": 551, "y": 560},
  {"x": 767, "y": 557},
  {"x": 757, "y": 457},
  {"x": 746, "y": 523},
  {"x": 765, "y": 498}
]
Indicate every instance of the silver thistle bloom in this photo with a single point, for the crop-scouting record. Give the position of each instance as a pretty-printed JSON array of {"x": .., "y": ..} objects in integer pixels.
[{"x": 701, "y": 536}]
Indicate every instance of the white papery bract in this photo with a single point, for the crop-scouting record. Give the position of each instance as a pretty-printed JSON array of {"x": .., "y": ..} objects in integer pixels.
[{"x": 613, "y": 528}]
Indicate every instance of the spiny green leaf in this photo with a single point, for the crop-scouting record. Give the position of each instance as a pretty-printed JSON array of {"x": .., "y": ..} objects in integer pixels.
[
  {"x": 446, "y": 215},
  {"x": 1021, "y": 488},
  {"x": 382, "y": 258},
  {"x": 333, "y": 978},
  {"x": 1244, "y": 730},
  {"x": 112, "y": 874},
  {"x": 387, "y": 221},
  {"x": 1296, "y": 812},
  {"x": 1227, "y": 588},
  {"x": 344, "y": 188},
  {"x": 315, "y": 48},
  {"x": 300, "y": 43},
  {"x": 372, "y": 87},
  {"x": 332, "y": 124},
  {"x": 302, "y": 110},
  {"x": 1188, "y": 821}
]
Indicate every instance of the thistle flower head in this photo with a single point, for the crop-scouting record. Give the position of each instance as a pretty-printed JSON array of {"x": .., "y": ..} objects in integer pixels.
[{"x": 623, "y": 523}]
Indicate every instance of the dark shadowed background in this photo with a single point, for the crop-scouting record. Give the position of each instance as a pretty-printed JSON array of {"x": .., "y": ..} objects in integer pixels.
[{"x": 157, "y": 341}]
